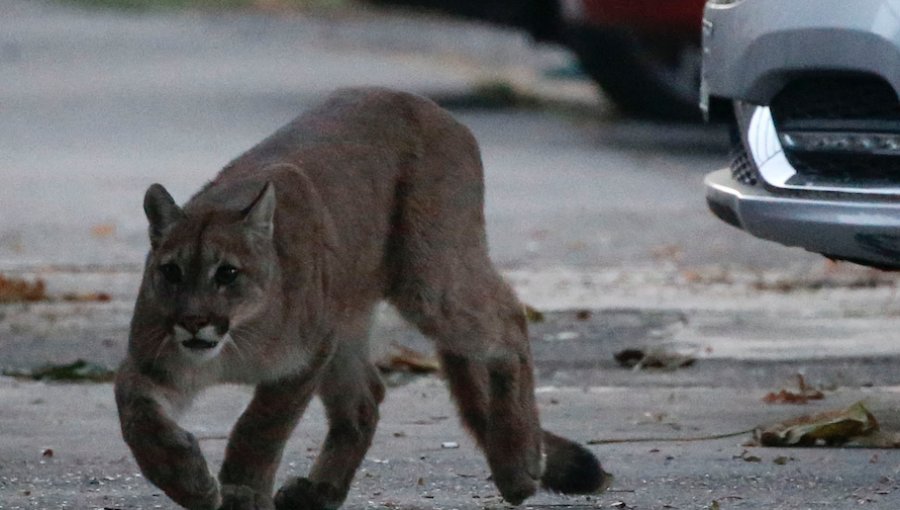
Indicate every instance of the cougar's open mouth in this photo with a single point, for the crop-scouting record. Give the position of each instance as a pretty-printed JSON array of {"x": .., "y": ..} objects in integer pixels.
[{"x": 199, "y": 343}]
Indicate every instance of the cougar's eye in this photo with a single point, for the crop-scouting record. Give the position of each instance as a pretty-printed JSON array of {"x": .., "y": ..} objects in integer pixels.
[
  {"x": 225, "y": 275},
  {"x": 171, "y": 272}
]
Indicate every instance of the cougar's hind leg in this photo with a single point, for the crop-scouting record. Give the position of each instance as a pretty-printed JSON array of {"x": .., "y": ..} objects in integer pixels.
[
  {"x": 442, "y": 280},
  {"x": 482, "y": 339},
  {"x": 351, "y": 391}
]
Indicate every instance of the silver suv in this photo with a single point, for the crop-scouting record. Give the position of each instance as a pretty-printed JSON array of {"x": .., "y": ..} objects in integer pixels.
[{"x": 812, "y": 88}]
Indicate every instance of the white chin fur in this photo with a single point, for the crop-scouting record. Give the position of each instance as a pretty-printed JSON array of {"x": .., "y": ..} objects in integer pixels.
[{"x": 207, "y": 333}]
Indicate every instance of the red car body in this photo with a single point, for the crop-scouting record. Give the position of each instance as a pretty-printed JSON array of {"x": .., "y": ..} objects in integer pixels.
[
  {"x": 645, "y": 54},
  {"x": 669, "y": 16}
]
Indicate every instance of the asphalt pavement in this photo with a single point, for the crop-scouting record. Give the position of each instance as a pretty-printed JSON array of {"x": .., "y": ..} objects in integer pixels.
[{"x": 597, "y": 221}]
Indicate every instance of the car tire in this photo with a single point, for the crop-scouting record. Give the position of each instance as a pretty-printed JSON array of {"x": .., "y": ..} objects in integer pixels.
[{"x": 656, "y": 78}]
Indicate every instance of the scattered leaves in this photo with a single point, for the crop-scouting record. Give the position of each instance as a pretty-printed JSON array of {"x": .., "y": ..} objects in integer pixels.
[
  {"x": 404, "y": 359},
  {"x": 15, "y": 290},
  {"x": 637, "y": 359},
  {"x": 802, "y": 396},
  {"x": 99, "y": 297},
  {"x": 103, "y": 230},
  {"x": 20, "y": 290},
  {"x": 853, "y": 426},
  {"x": 79, "y": 370}
]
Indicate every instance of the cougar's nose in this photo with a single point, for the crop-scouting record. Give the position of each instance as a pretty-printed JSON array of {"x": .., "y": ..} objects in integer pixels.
[{"x": 194, "y": 323}]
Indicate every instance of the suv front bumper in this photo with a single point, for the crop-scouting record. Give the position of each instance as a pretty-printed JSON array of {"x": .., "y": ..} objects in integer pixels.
[{"x": 854, "y": 229}]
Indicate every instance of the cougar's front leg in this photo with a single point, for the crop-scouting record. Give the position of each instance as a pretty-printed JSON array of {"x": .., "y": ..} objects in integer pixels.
[
  {"x": 168, "y": 456},
  {"x": 257, "y": 441},
  {"x": 258, "y": 438},
  {"x": 351, "y": 390}
]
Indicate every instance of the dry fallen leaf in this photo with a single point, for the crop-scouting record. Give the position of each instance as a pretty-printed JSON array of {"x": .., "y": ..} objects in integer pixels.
[
  {"x": 853, "y": 426},
  {"x": 16, "y": 290},
  {"x": 404, "y": 359},
  {"x": 802, "y": 396},
  {"x": 100, "y": 297},
  {"x": 103, "y": 230}
]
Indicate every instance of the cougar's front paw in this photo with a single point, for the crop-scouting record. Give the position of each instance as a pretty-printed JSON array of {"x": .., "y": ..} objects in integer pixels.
[
  {"x": 241, "y": 497},
  {"x": 304, "y": 494}
]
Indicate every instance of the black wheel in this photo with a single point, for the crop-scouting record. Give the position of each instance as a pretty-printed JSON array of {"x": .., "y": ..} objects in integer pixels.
[{"x": 652, "y": 77}]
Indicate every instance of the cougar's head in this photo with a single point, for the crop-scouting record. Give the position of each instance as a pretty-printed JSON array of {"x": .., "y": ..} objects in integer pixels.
[{"x": 209, "y": 272}]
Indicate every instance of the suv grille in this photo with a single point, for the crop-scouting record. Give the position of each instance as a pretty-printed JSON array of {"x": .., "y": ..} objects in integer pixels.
[
  {"x": 742, "y": 168},
  {"x": 839, "y": 98},
  {"x": 856, "y": 120}
]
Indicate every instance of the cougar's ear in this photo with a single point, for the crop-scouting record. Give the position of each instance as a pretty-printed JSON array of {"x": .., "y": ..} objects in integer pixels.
[
  {"x": 260, "y": 216},
  {"x": 162, "y": 212}
]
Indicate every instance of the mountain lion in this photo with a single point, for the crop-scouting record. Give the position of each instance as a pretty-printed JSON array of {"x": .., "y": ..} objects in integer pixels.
[{"x": 270, "y": 275}]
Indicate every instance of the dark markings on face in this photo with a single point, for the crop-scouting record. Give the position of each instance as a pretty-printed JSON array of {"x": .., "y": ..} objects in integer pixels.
[{"x": 208, "y": 268}]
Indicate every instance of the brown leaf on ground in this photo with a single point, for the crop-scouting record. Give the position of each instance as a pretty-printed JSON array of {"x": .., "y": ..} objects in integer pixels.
[
  {"x": 99, "y": 297},
  {"x": 404, "y": 359},
  {"x": 103, "y": 230},
  {"x": 16, "y": 290},
  {"x": 802, "y": 396},
  {"x": 853, "y": 426}
]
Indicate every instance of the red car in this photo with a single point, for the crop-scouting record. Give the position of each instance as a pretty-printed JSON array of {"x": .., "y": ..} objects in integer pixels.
[{"x": 644, "y": 53}]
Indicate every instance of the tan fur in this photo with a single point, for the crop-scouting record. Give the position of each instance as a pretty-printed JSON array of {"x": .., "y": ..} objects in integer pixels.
[{"x": 373, "y": 195}]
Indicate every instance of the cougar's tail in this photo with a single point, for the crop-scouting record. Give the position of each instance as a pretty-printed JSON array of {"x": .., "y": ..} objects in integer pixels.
[{"x": 572, "y": 469}]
